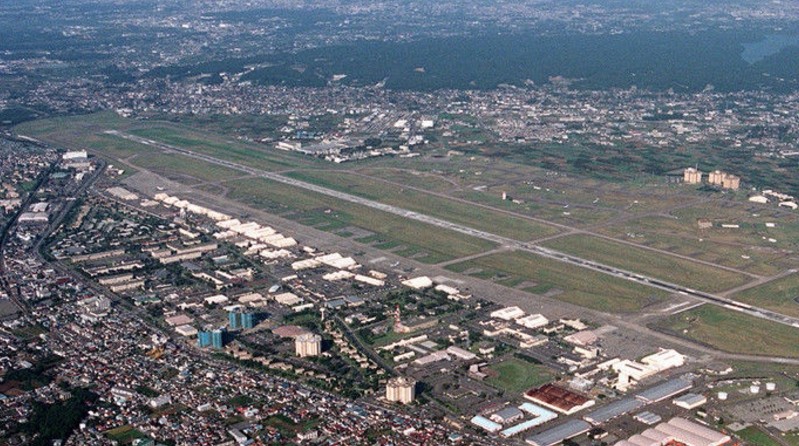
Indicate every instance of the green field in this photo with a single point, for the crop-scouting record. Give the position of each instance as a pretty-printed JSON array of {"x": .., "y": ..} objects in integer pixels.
[
  {"x": 756, "y": 437},
  {"x": 554, "y": 212},
  {"x": 72, "y": 128},
  {"x": 424, "y": 242},
  {"x": 747, "y": 247},
  {"x": 87, "y": 131},
  {"x": 657, "y": 265},
  {"x": 576, "y": 285},
  {"x": 408, "y": 175},
  {"x": 177, "y": 167},
  {"x": 454, "y": 211},
  {"x": 124, "y": 434},
  {"x": 116, "y": 147},
  {"x": 733, "y": 332},
  {"x": 517, "y": 376},
  {"x": 388, "y": 337},
  {"x": 656, "y": 232},
  {"x": 288, "y": 427},
  {"x": 781, "y": 295},
  {"x": 260, "y": 157}
]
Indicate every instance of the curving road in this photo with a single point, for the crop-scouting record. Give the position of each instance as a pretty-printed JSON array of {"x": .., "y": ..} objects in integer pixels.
[{"x": 730, "y": 304}]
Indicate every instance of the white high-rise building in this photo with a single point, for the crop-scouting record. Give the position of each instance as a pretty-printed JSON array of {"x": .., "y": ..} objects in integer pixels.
[
  {"x": 308, "y": 344},
  {"x": 401, "y": 390}
]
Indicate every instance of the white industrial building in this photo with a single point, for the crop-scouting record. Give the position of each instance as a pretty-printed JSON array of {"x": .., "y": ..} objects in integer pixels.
[
  {"x": 418, "y": 283},
  {"x": 186, "y": 330},
  {"x": 369, "y": 280},
  {"x": 288, "y": 299},
  {"x": 690, "y": 401},
  {"x": 122, "y": 193},
  {"x": 216, "y": 299},
  {"x": 508, "y": 313},
  {"x": 664, "y": 359},
  {"x": 631, "y": 372},
  {"x": 75, "y": 155},
  {"x": 533, "y": 321},
  {"x": 582, "y": 338}
]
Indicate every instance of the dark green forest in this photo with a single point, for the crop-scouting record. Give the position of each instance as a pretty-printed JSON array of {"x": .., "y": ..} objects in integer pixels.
[{"x": 659, "y": 61}]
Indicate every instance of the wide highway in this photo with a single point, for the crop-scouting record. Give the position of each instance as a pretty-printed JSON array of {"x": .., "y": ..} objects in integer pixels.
[{"x": 730, "y": 304}]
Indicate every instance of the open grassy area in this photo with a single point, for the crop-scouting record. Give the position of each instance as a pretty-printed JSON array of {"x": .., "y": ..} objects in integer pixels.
[
  {"x": 425, "y": 242},
  {"x": 756, "y": 437},
  {"x": 748, "y": 247},
  {"x": 781, "y": 295},
  {"x": 655, "y": 233},
  {"x": 424, "y": 180},
  {"x": 124, "y": 434},
  {"x": 87, "y": 131},
  {"x": 117, "y": 148},
  {"x": 733, "y": 332},
  {"x": 785, "y": 376},
  {"x": 175, "y": 167},
  {"x": 288, "y": 427},
  {"x": 66, "y": 128},
  {"x": 261, "y": 157},
  {"x": 566, "y": 282},
  {"x": 572, "y": 193},
  {"x": 386, "y": 338},
  {"x": 792, "y": 438},
  {"x": 550, "y": 211},
  {"x": 457, "y": 212},
  {"x": 517, "y": 376},
  {"x": 657, "y": 265}
]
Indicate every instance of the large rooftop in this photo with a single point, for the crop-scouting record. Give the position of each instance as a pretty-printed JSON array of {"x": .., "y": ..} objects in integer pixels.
[{"x": 558, "y": 398}]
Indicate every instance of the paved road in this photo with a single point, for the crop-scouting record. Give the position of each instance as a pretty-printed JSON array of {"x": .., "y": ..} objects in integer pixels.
[
  {"x": 6, "y": 232},
  {"x": 730, "y": 304}
]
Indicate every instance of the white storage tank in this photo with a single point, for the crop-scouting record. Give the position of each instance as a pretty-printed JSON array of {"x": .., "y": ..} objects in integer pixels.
[
  {"x": 754, "y": 389},
  {"x": 723, "y": 396},
  {"x": 771, "y": 386}
]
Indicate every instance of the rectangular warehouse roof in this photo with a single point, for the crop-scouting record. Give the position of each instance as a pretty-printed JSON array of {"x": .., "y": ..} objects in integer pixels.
[
  {"x": 558, "y": 434},
  {"x": 613, "y": 410},
  {"x": 559, "y": 399},
  {"x": 677, "y": 430},
  {"x": 664, "y": 390},
  {"x": 486, "y": 424}
]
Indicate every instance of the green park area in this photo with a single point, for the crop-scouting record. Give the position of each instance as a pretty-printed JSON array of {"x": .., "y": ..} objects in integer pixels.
[{"x": 516, "y": 376}]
